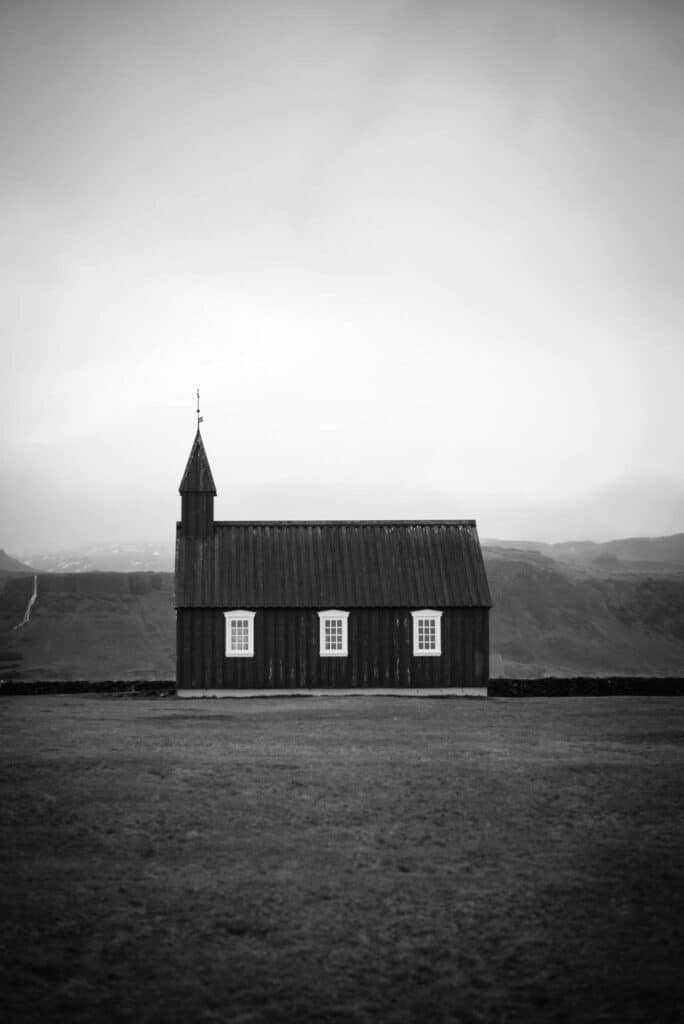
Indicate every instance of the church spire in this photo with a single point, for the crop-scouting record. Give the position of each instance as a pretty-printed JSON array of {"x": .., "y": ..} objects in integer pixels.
[
  {"x": 197, "y": 478},
  {"x": 197, "y": 489}
]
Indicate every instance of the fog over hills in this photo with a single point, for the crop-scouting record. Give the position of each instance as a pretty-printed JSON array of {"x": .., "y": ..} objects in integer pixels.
[
  {"x": 637, "y": 552},
  {"x": 141, "y": 556},
  {"x": 644, "y": 505}
]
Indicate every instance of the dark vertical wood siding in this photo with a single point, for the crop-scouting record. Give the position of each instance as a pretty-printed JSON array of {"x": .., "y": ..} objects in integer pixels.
[
  {"x": 286, "y": 651},
  {"x": 197, "y": 515}
]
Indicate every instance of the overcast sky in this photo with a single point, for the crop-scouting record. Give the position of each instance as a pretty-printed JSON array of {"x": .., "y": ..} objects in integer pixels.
[{"x": 422, "y": 259}]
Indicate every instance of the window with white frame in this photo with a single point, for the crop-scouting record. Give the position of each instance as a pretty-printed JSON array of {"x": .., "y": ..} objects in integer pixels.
[
  {"x": 333, "y": 634},
  {"x": 427, "y": 633},
  {"x": 239, "y": 634}
]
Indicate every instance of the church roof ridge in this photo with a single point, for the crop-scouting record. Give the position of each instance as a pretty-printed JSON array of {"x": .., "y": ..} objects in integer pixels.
[{"x": 411, "y": 521}]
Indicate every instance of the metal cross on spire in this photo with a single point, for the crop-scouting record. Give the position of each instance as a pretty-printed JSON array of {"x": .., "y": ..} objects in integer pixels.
[{"x": 200, "y": 419}]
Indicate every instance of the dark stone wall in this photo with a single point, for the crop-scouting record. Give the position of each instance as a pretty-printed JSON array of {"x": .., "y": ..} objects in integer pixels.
[{"x": 588, "y": 686}]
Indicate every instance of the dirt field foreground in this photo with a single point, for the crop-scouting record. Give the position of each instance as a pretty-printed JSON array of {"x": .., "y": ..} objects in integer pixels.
[{"x": 360, "y": 859}]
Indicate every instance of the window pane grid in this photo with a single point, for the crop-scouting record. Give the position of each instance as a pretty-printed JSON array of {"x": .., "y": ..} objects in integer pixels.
[
  {"x": 332, "y": 637},
  {"x": 239, "y": 634},
  {"x": 427, "y": 635}
]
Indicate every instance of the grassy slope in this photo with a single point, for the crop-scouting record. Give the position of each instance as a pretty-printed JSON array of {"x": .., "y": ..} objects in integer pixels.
[
  {"x": 555, "y": 619},
  {"x": 92, "y": 626},
  {"x": 342, "y": 860},
  {"x": 124, "y": 637}
]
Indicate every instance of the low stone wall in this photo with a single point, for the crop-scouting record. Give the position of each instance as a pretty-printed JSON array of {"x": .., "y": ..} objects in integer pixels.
[
  {"x": 26, "y": 688},
  {"x": 585, "y": 686}
]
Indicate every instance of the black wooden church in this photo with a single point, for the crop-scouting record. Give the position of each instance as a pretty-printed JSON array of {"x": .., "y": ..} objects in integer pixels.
[{"x": 345, "y": 605}]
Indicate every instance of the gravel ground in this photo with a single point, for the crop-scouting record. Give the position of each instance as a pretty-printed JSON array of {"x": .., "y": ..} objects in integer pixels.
[{"x": 349, "y": 859}]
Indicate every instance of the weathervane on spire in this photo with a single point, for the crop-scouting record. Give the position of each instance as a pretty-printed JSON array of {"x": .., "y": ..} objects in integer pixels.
[{"x": 200, "y": 419}]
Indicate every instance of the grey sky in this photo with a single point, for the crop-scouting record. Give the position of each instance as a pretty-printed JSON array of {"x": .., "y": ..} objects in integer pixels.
[{"x": 421, "y": 258}]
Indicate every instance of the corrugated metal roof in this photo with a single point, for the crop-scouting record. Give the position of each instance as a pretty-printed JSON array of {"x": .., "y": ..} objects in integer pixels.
[
  {"x": 197, "y": 477},
  {"x": 345, "y": 564}
]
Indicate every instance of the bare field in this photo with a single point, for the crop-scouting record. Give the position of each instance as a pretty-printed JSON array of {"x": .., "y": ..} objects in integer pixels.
[{"x": 358, "y": 859}]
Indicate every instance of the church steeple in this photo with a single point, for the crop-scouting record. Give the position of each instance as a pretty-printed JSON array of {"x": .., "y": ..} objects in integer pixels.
[
  {"x": 197, "y": 478},
  {"x": 197, "y": 491}
]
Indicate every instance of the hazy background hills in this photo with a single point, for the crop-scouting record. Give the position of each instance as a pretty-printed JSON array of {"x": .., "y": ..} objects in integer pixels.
[
  {"x": 631, "y": 554},
  {"x": 575, "y": 608},
  {"x": 589, "y": 616},
  {"x": 133, "y": 556}
]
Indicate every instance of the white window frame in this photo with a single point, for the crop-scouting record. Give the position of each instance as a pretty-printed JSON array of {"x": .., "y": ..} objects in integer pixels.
[
  {"x": 436, "y": 617},
  {"x": 328, "y": 616},
  {"x": 230, "y": 617}
]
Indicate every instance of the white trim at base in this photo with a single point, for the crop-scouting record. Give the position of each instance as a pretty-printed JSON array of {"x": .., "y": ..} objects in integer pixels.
[{"x": 387, "y": 691}]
